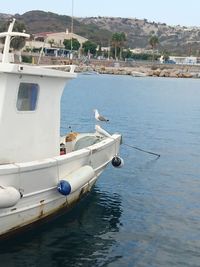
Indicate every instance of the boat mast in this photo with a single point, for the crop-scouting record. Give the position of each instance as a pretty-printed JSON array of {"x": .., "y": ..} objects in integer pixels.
[{"x": 5, "y": 58}]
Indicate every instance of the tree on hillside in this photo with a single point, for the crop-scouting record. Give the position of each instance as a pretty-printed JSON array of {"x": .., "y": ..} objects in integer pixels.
[
  {"x": 115, "y": 42},
  {"x": 51, "y": 42},
  {"x": 99, "y": 50},
  {"x": 118, "y": 39},
  {"x": 127, "y": 54},
  {"x": 17, "y": 42},
  {"x": 122, "y": 41},
  {"x": 75, "y": 44},
  {"x": 89, "y": 47},
  {"x": 153, "y": 41},
  {"x": 165, "y": 55}
]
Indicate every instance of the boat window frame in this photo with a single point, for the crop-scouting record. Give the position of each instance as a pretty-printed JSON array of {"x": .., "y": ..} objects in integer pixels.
[{"x": 31, "y": 100}]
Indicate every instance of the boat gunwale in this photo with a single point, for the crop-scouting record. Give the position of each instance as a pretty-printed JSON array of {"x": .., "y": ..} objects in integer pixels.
[
  {"x": 57, "y": 160},
  {"x": 34, "y": 70}
]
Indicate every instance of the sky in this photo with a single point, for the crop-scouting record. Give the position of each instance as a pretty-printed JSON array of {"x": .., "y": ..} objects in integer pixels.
[{"x": 171, "y": 12}]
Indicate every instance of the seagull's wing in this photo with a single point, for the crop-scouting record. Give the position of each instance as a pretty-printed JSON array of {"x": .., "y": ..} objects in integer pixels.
[{"x": 101, "y": 118}]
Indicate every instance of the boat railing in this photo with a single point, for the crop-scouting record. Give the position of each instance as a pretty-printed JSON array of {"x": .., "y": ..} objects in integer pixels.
[
  {"x": 71, "y": 68},
  {"x": 6, "y": 56}
]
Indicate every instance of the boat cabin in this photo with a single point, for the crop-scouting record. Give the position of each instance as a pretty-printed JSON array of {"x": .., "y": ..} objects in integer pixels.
[{"x": 29, "y": 109}]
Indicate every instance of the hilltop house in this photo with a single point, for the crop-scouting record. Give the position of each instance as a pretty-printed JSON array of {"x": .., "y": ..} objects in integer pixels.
[
  {"x": 52, "y": 40},
  {"x": 59, "y": 37}
]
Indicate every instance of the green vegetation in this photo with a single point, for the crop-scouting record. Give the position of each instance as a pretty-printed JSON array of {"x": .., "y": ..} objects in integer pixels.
[
  {"x": 145, "y": 56},
  {"x": 118, "y": 34},
  {"x": 27, "y": 59},
  {"x": 165, "y": 55},
  {"x": 118, "y": 40},
  {"x": 153, "y": 41},
  {"x": 40, "y": 21},
  {"x": 89, "y": 47},
  {"x": 17, "y": 42},
  {"x": 74, "y": 43},
  {"x": 51, "y": 42}
]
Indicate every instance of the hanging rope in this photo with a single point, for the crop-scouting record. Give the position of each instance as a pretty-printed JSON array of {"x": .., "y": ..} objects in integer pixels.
[{"x": 142, "y": 150}]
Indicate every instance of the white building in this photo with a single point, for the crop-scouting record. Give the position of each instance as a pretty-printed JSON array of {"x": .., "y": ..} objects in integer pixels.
[
  {"x": 52, "y": 40},
  {"x": 32, "y": 44},
  {"x": 142, "y": 50},
  {"x": 57, "y": 38},
  {"x": 184, "y": 60}
]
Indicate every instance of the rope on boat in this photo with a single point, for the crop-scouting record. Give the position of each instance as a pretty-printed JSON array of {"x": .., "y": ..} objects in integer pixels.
[{"x": 142, "y": 150}]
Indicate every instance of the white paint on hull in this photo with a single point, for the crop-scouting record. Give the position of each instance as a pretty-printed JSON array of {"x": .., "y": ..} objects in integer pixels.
[{"x": 38, "y": 182}]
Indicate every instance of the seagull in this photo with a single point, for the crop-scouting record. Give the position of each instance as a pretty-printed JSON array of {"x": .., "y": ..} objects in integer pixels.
[{"x": 99, "y": 117}]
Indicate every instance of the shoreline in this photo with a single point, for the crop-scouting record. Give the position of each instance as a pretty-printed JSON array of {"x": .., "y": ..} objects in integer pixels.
[
  {"x": 144, "y": 71},
  {"x": 134, "y": 68}
]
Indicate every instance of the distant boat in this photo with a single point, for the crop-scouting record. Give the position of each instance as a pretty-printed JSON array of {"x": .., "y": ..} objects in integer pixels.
[
  {"x": 42, "y": 173},
  {"x": 138, "y": 74}
]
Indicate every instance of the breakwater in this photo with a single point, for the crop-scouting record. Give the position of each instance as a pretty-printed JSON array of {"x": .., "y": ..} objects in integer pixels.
[
  {"x": 153, "y": 70},
  {"x": 134, "y": 68}
]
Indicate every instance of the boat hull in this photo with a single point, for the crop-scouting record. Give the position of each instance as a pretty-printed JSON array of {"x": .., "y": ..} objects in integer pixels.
[{"x": 37, "y": 181}]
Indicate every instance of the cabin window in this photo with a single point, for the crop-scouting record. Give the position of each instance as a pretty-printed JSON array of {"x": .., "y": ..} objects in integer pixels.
[{"x": 27, "y": 96}]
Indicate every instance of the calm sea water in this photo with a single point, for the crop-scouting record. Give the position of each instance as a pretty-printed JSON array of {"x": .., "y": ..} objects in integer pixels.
[{"x": 145, "y": 214}]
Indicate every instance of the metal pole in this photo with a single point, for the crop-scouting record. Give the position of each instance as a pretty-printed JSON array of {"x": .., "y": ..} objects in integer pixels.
[{"x": 72, "y": 27}]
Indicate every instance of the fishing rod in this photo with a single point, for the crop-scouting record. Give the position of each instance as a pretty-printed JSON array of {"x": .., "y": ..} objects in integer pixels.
[{"x": 142, "y": 150}]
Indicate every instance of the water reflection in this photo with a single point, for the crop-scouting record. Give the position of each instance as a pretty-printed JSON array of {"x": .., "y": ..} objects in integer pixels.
[{"x": 81, "y": 237}]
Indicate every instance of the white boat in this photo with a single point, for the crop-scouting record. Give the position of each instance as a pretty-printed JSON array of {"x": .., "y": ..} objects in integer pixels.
[
  {"x": 42, "y": 173},
  {"x": 138, "y": 74}
]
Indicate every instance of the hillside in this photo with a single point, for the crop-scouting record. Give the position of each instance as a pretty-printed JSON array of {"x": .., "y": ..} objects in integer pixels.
[
  {"x": 175, "y": 39},
  {"x": 39, "y": 21},
  {"x": 181, "y": 40}
]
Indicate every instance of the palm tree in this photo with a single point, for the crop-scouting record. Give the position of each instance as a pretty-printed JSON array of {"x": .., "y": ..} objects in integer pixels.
[
  {"x": 118, "y": 40},
  {"x": 115, "y": 42},
  {"x": 153, "y": 41},
  {"x": 122, "y": 41},
  {"x": 51, "y": 42}
]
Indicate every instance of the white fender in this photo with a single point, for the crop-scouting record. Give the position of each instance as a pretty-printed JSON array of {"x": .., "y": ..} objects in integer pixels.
[
  {"x": 9, "y": 196},
  {"x": 79, "y": 178},
  {"x": 76, "y": 180}
]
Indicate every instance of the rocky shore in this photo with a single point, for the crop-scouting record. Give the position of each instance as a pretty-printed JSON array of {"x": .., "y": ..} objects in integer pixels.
[
  {"x": 136, "y": 69},
  {"x": 140, "y": 71}
]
